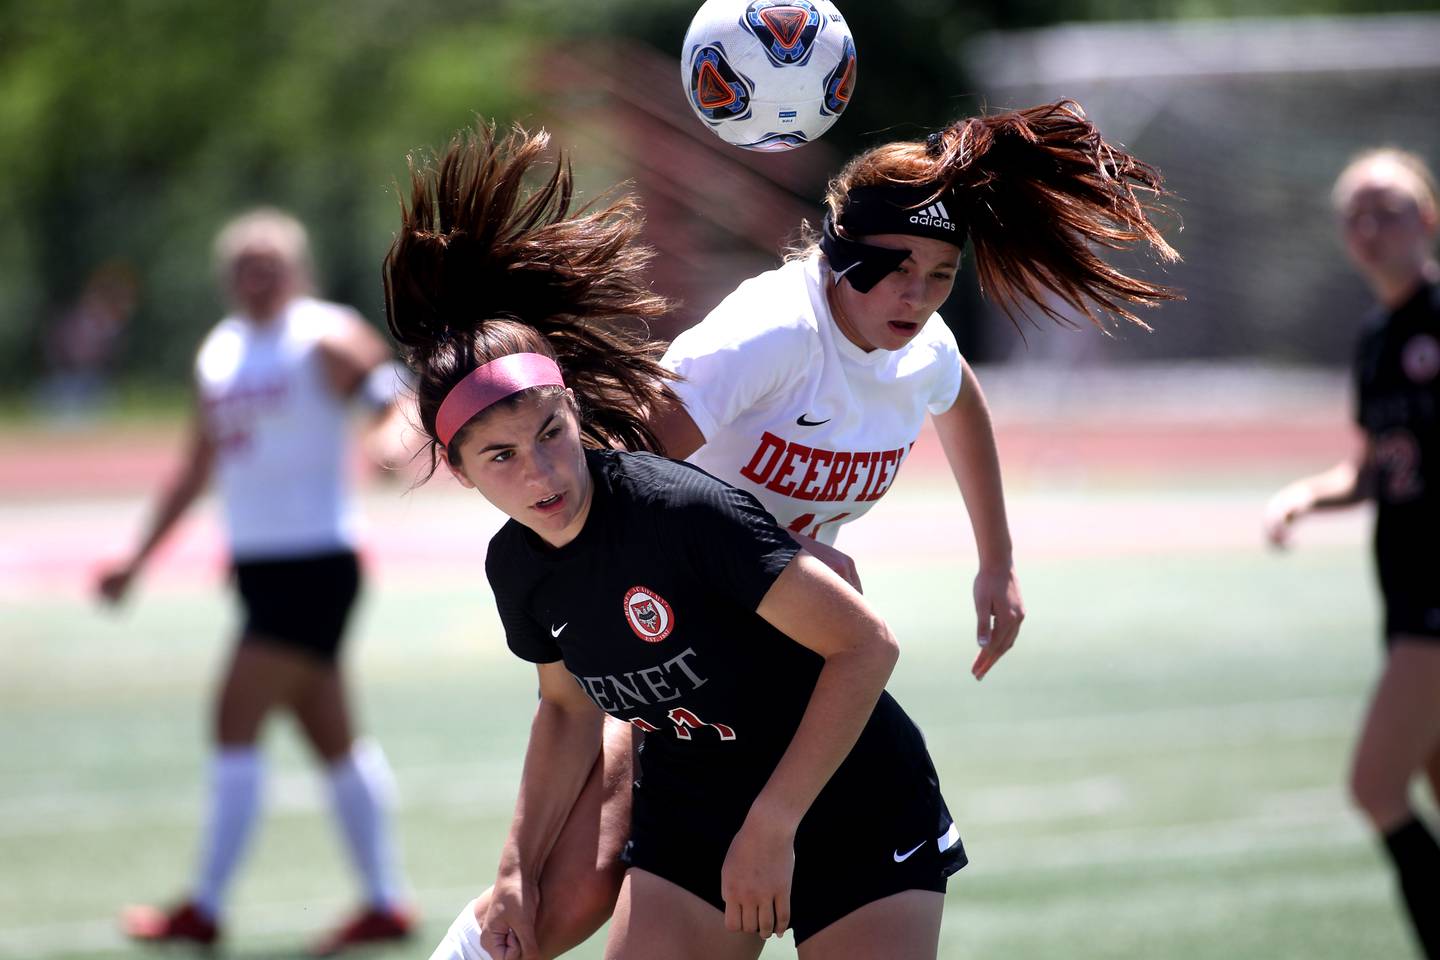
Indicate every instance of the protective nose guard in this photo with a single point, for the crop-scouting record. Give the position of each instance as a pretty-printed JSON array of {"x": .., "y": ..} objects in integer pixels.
[{"x": 863, "y": 264}]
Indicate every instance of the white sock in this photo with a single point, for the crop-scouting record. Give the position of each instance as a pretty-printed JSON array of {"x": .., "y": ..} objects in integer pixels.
[
  {"x": 361, "y": 787},
  {"x": 235, "y": 774},
  {"x": 462, "y": 940}
]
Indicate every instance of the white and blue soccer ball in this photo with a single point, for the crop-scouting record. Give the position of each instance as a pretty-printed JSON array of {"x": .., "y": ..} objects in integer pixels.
[{"x": 768, "y": 74}]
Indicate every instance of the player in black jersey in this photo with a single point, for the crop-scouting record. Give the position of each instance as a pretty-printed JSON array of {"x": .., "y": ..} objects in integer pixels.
[
  {"x": 780, "y": 786},
  {"x": 1388, "y": 204}
]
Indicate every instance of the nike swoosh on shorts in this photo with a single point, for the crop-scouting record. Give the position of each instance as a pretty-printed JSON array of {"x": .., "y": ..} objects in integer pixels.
[{"x": 902, "y": 857}]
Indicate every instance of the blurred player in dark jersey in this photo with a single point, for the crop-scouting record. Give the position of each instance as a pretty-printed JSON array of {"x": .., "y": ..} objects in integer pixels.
[{"x": 1387, "y": 203}]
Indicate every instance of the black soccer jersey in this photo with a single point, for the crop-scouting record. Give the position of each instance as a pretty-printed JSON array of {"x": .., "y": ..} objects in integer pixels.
[
  {"x": 1398, "y": 406},
  {"x": 652, "y": 609}
]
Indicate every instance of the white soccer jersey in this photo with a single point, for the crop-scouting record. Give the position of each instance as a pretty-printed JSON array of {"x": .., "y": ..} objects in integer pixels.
[
  {"x": 794, "y": 412},
  {"x": 280, "y": 432}
]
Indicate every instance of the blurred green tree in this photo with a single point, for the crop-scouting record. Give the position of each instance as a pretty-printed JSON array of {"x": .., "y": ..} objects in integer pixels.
[{"x": 134, "y": 129}]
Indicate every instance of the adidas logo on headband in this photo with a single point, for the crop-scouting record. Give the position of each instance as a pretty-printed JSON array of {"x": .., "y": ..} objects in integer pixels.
[
  {"x": 934, "y": 215},
  {"x": 919, "y": 210}
]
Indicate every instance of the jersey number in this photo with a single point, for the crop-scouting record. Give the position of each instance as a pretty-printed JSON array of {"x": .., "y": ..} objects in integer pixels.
[
  {"x": 685, "y": 721},
  {"x": 1397, "y": 454},
  {"x": 799, "y": 524}
]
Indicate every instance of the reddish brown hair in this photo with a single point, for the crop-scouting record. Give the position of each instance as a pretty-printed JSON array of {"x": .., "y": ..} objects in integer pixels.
[{"x": 1041, "y": 190}]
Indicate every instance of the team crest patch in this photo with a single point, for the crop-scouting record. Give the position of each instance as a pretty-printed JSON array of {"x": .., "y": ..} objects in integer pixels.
[
  {"x": 648, "y": 614},
  {"x": 1420, "y": 358}
]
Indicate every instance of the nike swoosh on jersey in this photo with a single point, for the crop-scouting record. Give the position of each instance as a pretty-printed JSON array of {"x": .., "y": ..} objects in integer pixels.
[
  {"x": 810, "y": 423},
  {"x": 556, "y": 631},
  {"x": 902, "y": 857}
]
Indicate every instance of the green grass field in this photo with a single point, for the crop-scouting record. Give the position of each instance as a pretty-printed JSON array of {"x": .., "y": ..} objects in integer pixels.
[{"x": 1156, "y": 770}]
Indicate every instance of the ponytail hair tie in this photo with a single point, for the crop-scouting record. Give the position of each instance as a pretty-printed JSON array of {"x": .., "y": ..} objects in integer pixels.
[{"x": 935, "y": 143}]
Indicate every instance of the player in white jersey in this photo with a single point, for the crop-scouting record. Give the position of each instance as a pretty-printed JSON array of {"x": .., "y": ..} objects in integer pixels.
[
  {"x": 275, "y": 381},
  {"x": 809, "y": 385}
]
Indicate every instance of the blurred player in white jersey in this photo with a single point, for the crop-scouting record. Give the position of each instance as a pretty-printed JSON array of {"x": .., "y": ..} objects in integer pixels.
[{"x": 275, "y": 383}]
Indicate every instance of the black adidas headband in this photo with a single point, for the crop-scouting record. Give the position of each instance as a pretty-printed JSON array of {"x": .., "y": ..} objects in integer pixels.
[{"x": 887, "y": 208}]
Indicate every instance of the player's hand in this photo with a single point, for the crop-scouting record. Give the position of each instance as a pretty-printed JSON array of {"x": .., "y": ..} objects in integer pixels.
[
  {"x": 755, "y": 880},
  {"x": 836, "y": 560},
  {"x": 1281, "y": 512},
  {"x": 507, "y": 931},
  {"x": 392, "y": 450},
  {"x": 114, "y": 583},
  {"x": 999, "y": 611}
]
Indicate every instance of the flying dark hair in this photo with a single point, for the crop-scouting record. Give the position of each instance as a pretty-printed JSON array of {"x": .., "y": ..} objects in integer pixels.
[
  {"x": 1040, "y": 188},
  {"x": 483, "y": 267}
]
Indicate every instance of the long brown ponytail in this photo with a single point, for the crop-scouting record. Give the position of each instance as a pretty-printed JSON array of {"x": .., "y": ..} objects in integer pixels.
[
  {"x": 482, "y": 267},
  {"x": 1042, "y": 189}
]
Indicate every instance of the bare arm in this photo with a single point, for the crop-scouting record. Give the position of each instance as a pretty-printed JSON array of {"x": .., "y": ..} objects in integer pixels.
[
  {"x": 1343, "y": 485},
  {"x": 675, "y": 429},
  {"x": 812, "y": 605},
  {"x": 968, "y": 438},
  {"x": 351, "y": 358},
  {"x": 564, "y": 742},
  {"x": 391, "y": 438},
  {"x": 175, "y": 499},
  {"x": 349, "y": 354}
]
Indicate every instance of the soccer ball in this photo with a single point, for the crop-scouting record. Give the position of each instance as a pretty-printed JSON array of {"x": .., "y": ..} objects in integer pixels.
[{"x": 768, "y": 74}]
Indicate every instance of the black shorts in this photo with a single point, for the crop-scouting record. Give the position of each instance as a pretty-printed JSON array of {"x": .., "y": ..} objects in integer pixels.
[
  {"x": 878, "y": 828},
  {"x": 1412, "y": 614},
  {"x": 300, "y": 603},
  {"x": 1405, "y": 565},
  {"x": 1412, "y": 599}
]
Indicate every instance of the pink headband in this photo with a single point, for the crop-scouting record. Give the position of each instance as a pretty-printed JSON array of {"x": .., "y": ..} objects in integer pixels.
[{"x": 490, "y": 383}]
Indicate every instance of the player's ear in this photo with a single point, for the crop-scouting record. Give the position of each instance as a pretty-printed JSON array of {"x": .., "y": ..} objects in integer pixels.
[
  {"x": 1430, "y": 220},
  {"x": 455, "y": 471}
]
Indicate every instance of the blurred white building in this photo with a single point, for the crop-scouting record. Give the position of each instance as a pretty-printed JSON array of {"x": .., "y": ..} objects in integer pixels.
[{"x": 1250, "y": 120}]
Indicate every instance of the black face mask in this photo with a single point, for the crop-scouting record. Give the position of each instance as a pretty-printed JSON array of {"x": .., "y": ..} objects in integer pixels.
[
  {"x": 890, "y": 209},
  {"x": 862, "y": 264}
]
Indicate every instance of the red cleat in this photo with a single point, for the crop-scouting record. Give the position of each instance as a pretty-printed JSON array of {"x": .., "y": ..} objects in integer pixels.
[
  {"x": 184, "y": 924},
  {"x": 372, "y": 925}
]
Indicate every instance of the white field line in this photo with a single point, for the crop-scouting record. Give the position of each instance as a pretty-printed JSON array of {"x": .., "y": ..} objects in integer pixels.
[
  {"x": 1164, "y": 909},
  {"x": 53, "y": 549},
  {"x": 1190, "y": 847},
  {"x": 1128, "y": 732},
  {"x": 466, "y": 784},
  {"x": 474, "y": 787},
  {"x": 298, "y": 921},
  {"x": 1235, "y": 839}
]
